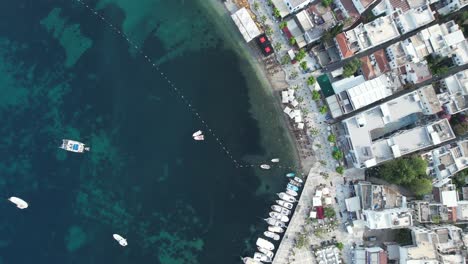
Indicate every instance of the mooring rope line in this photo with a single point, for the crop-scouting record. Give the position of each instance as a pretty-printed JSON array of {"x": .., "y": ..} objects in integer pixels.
[{"x": 178, "y": 91}]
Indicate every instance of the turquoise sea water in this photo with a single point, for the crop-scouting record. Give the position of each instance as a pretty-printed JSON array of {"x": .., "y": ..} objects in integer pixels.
[{"x": 64, "y": 73}]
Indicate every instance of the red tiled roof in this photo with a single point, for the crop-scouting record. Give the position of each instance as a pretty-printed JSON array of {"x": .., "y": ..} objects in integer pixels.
[
  {"x": 382, "y": 61},
  {"x": 401, "y": 4},
  {"x": 367, "y": 68},
  {"x": 343, "y": 45},
  {"x": 350, "y": 8}
]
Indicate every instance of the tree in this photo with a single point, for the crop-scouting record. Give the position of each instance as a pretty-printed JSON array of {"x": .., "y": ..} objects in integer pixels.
[
  {"x": 303, "y": 65},
  {"x": 421, "y": 186},
  {"x": 314, "y": 131},
  {"x": 283, "y": 24},
  {"x": 311, "y": 80},
  {"x": 351, "y": 67},
  {"x": 292, "y": 41},
  {"x": 293, "y": 75},
  {"x": 329, "y": 212},
  {"x": 268, "y": 30},
  {"x": 337, "y": 154},
  {"x": 300, "y": 55},
  {"x": 332, "y": 32},
  {"x": 326, "y": 3},
  {"x": 332, "y": 138},
  {"x": 460, "y": 178},
  {"x": 461, "y": 128},
  {"x": 340, "y": 170},
  {"x": 315, "y": 95},
  {"x": 278, "y": 46},
  {"x": 263, "y": 18},
  {"x": 276, "y": 12},
  {"x": 339, "y": 245},
  {"x": 302, "y": 241},
  {"x": 285, "y": 59},
  {"x": 323, "y": 109},
  {"x": 403, "y": 171},
  {"x": 255, "y": 5}
]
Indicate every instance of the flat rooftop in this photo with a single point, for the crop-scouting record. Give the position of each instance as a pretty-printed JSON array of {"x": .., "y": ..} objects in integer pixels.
[
  {"x": 381, "y": 30},
  {"x": 415, "y": 18},
  {"x": 245, "y": 24}
]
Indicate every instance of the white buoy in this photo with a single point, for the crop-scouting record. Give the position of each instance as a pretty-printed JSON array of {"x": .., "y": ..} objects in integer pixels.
[
  {"x": 20, "y": 203},
  {"x": 122, "y": 241}
]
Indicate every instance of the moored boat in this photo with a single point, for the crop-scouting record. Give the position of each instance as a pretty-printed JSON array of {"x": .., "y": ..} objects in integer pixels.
[
  {"x": 122, "y": 241},
  {"x": 275, "y": 229},
  {"x": 20, "y": 203},
  {"x": 274, "y": 222},
  {"x": 295, "y": 183},
  {"x": 285, "y": 204},
  {"x": 272, "y": 235},
  {"x": 280, "y": 209},
  {"x": 275, "y": 160},
  {"x": 265, "y": 166},
  {"x": 291, "y": 174},
  {"x": 263, "y": 243},
  {"x": 299, "y": 180},
  {"x": 286, "y": 197},
  {"x": 249, "y": 260},
  {"x": 292, "y": 187},
  {"x": 291, "y": 192},
  {"x": 73, "y": 146},
  {"x": 279, "y": 216},
  {"x": 267, "y": 252},
  {"x": 261, "y": 257},
  {"x": 199, "y": 138},
  {"x": 198, "y": 133}
]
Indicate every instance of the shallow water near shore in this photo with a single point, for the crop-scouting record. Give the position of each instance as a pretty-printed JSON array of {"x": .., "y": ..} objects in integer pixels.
[{"x": 64, "y": 73}]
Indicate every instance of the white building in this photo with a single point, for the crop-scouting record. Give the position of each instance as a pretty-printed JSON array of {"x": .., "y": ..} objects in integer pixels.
[
  {"x": 450, "y": 6},
  {"x": 414, "y": 19},
  {"x": 245, "y": 24},
  {"x": 296, "y": 5},
  {"x": 375, "y": 136},
  {"x": 388, "y": 219},
  {"x": 443, "y": 39},
  {"x": 454, "y": 92},
  {"x": 362, "y": 5},
  {"x": 445, "y": 161}
]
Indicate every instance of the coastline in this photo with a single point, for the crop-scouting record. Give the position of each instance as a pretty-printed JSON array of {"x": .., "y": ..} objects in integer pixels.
[{"x": 254, "y": 70}]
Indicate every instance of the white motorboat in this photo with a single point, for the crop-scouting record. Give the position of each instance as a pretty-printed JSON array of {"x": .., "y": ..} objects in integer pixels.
[
  {"x": 286, "y": 197},
  {"x": 73, "y": 146},
  {"x": 249, "y": 260},
  {"x": 276, "y": 160},
  {"x": 275, "y": 229},
  {"x": 279, "y": 216},
  {"x": 199, "y": 138},
  {"x": 291, "y": 192},
  {"x": 285, "y": 204},
  {"x": 291, "y": 174},
  {"x": 295, "y": 183},
  {"x": 272, "y": 235},
  {"x": 20, "y": 203},
  {"x": 280, "y": 209},
  {"x": 198, "y": 133},
  {"x": 261, "y": 257},
  {"x": 299, "y": 180},
  {"x": 274, "y": 222},
  {"x": 267, "y": 252},
  {"x": 122, "y": 241},
  {"x": 265, "y": 166},
  {"x": 263, "y": 243}
]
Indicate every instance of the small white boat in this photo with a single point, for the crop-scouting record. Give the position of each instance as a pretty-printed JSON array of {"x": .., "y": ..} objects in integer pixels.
[
  {"x": 279, "y": 216},
  {"x": 276, "y": 160},
  {"x": 291, "y": 174},
  {"x": 291, "y": 192},
  {"x": 20, "y": 203},
  {"x": 299, "y": 180},
  {"x": 261, "y": 257},
  {"x": 295, "y": 183},
  {"x": 287, "y": 197},
  {"x": 198, "y": 133},
  {"x": 280, "y": 209},
  {"x": 263, "y": 243},
  {"x": 275, "y": 229},
  {"x": 285, "y": 204},
  {"x": 272, "y": 235},
  {"x": 274, "y": 222},
  {"x": 73, "y": 146},
  {"x": 199, "y": 138},
  {"x": 249, "y": 260},
  {"x": 122, "y": 241},
  {"x": 265, "y": 166},
  {"x": 267, "y": 252}
]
